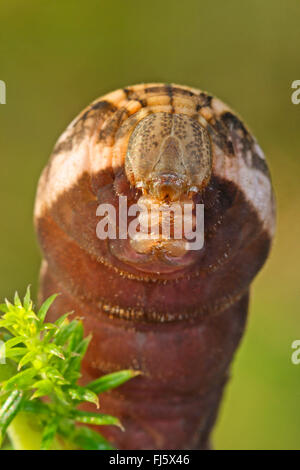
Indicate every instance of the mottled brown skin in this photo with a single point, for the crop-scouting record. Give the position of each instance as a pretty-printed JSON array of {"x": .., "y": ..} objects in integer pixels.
[{"x": 180, "y": 322}]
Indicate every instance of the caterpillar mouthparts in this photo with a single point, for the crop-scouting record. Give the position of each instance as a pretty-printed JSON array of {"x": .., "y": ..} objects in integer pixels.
[{"x": 164, "y": 226}]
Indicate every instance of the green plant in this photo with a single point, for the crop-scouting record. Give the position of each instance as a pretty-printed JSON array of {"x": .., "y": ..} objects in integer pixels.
[{"x": 43, "y": 360}]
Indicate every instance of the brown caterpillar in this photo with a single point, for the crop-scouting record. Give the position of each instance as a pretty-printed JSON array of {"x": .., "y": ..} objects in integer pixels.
[{"x": 177, "y": 315}]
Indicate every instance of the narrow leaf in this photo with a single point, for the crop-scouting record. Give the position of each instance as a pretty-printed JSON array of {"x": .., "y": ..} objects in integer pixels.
[
  {"x": 15, "y": 352},
  {"x": 6, "y": 371},
  {"x": 87, "y": 439},
  {"x": 13, "y": 341},
  {"x": 55, "y": 351},
  {"x": 76, "y": 337},
  {"x": 64, "y": 333},
  {"x": 110, "y": 381},
  {"x": 83, "y": 394},
  {"x": 49, "y": 434},
  {"x": 54, "y": 374},
  {"x": 9, "y": 306},
  {"x": 20, "y": 380},
  {"x": 27, "y": 358},
  {"x": 62, "y": 319},
  {"x": 99, "y": 419},
  {"x": 45, "y": 307},
  {"x": 17, "y": 300},
  {"x": 49, "y": 326},
  {"x": 36, "y": 407},
  {"x": 43, "y": 388},
  {"x": 27, "y": 301},
  {"x": 9, "y": 410},
  {"x": 72, "y": 366}
]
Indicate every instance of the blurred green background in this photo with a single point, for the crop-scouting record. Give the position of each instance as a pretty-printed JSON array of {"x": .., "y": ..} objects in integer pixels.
[{"x": 57, "y": 56}]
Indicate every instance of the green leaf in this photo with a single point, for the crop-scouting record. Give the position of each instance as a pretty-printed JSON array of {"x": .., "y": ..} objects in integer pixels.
[
  {"x": 99, "y": 419},
  {"x": 21, "y": 380},
  {"x": 49, "y": 434},
  {"x": 64, "y": 333},
  {"x": 4, "y": 323},
  {"x": 62, "y": 398},
  {"x": 27, "y": 358},
  {"x": 76, "y": 337},
  {"x": 27, "y": 300},
  {"x": 4, "y": 308},
  {"x": 9, "y": 410},
  {"x": 55, "y": 351},
  {"x": 110, "y": 381},
  {"x": 87, "y": 439},
  {"x": 54, "y": 375},
  {"x": 49, "y": 326},
  {"x": 36, "y": 407},
  {"x": 59, "y": 322},
  {"x": 17, "y": 300},
  {"x": 43, "y": 387},
  {"x": 6, "y": 371},
  {"x": 81, "y": 349},
  {"x": 50, "y": 331},
  {"x": 13, "y": 341},
  {"x": 83, "y": 394},
  {"x": 2, "y": 353},
  {"x": 15, "y": 352},
  {"x": 45, "y": 307},
  {"x": 72, "y": 366},
  {"x": 9, "y": 306}
]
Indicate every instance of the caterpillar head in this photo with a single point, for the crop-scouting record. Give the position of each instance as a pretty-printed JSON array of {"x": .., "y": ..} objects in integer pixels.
[{"x": 168, "y": 156}]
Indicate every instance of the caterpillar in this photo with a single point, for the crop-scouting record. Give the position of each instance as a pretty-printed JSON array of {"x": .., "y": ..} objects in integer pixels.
[{"x": 152, "y": 304}]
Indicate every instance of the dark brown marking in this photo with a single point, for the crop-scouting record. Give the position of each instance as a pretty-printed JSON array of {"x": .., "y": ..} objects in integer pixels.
[
  {"x": 169, "y": 89},
  {"x": 182, "y": 91},
  {"x": 64, "y": 146},
  {"x": 132, "y": 95},
  {"x": 101, "y": 108},
  {"x": 238, "y": 134},
  {"x": 220, "y": 136},
  {"x": 110, "y": 129},
  {"x": 157, "y": 89},
  {"x": 260, "y": 164},
  {"x": 104, "y": 106},
  {"x": 205, "y": 101}
]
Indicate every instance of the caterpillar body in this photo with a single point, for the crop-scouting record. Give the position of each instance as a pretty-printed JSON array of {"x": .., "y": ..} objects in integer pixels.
[{"x": 176, "y": 315}]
